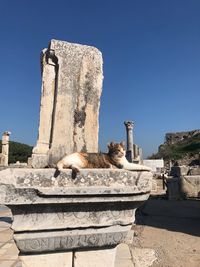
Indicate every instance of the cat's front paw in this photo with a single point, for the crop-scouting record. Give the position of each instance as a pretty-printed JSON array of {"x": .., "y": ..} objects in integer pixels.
[{"x": 120, "y": 166}]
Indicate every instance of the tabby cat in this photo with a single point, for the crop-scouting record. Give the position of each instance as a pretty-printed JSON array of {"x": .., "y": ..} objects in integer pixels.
[{"x": 115, "y": 158}]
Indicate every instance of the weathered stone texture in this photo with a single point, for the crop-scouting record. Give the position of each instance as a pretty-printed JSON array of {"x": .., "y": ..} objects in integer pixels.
[
  {"x": 47, "y": 260},
  {"x": 187, "y": 186},
  {"x": 26, "y": 186},
  {"x": 190, "y": 186},
  {"x": 95, "y": 258},
  {"x": 71, "y": 90},
  {"x": 194, "y": 171},
  {"x": 95, "y": 210},
  {"x": 69, "y": 240},
  {"x": 178, "y": 171},
  {"x": 4, "y": 149},
  {"x": 173, "y": 138}
]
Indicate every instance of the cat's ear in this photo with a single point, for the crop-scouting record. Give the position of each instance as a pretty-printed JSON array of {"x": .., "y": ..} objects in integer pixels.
[
  {"x": 111, "y": 145},
  {"x": 122, "y": 144}
]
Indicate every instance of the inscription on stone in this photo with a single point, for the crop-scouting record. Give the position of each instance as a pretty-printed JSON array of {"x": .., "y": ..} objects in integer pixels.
[
  {"x": 55, "y": 220},
  {"x": 69, "y": 242}
]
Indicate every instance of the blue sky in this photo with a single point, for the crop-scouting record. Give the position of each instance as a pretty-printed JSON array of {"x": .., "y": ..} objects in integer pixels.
[{"x": 151, "y": 52}]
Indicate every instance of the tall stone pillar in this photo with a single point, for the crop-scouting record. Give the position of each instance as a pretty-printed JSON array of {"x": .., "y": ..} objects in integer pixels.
[
  {"x": 49, "y": 73},
  {"x": 5, "y": 149},
  {"x": 72, "y": 78},
  {"x": 129, "y": 134}
]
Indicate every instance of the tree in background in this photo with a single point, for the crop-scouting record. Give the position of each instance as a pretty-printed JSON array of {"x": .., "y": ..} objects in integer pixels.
[{"x": 18, "y": 152}]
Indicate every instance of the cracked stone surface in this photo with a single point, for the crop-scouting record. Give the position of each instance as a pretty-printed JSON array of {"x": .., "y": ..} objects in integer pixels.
[{"x": 72, "y": 77}]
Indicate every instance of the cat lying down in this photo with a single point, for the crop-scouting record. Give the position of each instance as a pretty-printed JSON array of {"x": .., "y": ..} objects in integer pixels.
[{"x": 115, "y": 158}]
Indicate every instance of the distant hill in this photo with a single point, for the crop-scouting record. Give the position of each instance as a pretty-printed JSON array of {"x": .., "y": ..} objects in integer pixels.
[
  {"x": 18, "y": 152},
  {"x": 183, "y": 147}
]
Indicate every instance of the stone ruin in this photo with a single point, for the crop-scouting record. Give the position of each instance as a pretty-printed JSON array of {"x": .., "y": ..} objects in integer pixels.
[
  {"x": 183, "y": 182},
  {"x": 173, "y": 138},
  {"x": 72, "y": 78},
  {"x": 57, "y": 220},
  {"x": 133, "y": 152},
  {"x": 5, "y": 149}
]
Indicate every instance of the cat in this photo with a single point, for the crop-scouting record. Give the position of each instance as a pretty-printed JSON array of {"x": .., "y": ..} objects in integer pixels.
[{"x": 115, "y": 158}]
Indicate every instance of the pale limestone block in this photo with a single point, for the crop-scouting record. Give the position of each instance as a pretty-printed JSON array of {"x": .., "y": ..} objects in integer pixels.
[
  {"x": 72, "y": 78},
  {"x": 143, "y": 257},
  {"x": 123, "y": 256},
  {"x": 97, "y": 258},
  {"x": 5, "y": 149},
  {"x": 48, "y": 260},
  {"x": 47, "y": 102}
]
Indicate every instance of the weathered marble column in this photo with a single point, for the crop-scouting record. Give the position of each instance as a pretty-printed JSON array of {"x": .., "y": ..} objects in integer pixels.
[
  {"x": 49, "y": 75},
  {"x": 60, "y": 220},
  {"x": 72, "y": 78},
  {"x": 129, "y": 135},
  {"x": 5, "y": 149}
]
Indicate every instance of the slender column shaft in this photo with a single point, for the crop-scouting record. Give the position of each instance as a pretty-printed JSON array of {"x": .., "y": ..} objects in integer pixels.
[
  {"x": 129, "y": 134},
  {"x": 5, "y": 147}
]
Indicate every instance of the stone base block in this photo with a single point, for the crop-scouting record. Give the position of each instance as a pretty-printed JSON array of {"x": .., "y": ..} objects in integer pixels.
[
  {"x": 173, "y": 188},
  {"x": 178, "y": 171},
  {"x": 190, "y": 186},
  {"x": 49, "y": 260},
  {"x": 143, "y": 257},
  {"x": 39, "y": 160},
  {"x": 97, "y": 258}
]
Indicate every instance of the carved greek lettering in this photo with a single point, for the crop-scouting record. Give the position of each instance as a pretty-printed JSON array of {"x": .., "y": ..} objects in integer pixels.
[
  {"x": 82, "y": 240},
  {"x": 81, "y": 215},
  {"x": 44, "y": 243},
  {"x": 64, "y": 242},
  {"x": 117, "y": 237},
  {"x": 116, "y": 213},
  {"x": 93, "y": 240},
  {"x": 57, "y": 242},
  {"x": 70, "y": 242},
  {"x": 35, "y": 244}
]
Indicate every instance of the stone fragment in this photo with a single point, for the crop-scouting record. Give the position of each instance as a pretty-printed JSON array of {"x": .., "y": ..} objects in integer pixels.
[
  {"x": 173, "y": 188},
  {"x": 143, "y": 257},
  {"x": 190, "y": 186},
  {"x": 194, "y": 171},
  {"x": 97, "y": 258},
  {"x": 178, "y": 171},
  {"x": 123, "y": 256},
  {"x": 72, "y": 78},
  {"x": 48, "y": 260},
  {"x": 49, "y": 241},
  {"x": 5, "y": 149}
]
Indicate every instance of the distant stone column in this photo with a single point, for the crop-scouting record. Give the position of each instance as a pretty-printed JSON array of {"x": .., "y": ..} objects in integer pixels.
[
  {"x": 140, "y": 155},
  {"x": 129, "y": 134},
  {"x": 135, "y": 151},
  {"x": 5, "y": 149}
]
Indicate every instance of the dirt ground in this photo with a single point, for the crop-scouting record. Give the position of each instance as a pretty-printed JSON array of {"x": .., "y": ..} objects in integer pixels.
[{"x": 172, "y": 229}]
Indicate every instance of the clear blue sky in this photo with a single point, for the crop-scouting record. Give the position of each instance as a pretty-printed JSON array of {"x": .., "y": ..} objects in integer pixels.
[{"x": 151, "y": 51}]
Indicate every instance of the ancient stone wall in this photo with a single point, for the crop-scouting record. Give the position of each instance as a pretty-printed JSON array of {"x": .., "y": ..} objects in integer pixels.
[{"x": 173, "y": 138}]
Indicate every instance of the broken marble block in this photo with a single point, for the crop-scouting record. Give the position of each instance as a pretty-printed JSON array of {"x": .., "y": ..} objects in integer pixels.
[
  {"x": 53, "y": 213},
  {"x": 72, "y": 77}
]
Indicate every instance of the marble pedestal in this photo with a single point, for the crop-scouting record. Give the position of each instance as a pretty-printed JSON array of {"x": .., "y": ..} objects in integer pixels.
[{"x": 72, "y": 222}]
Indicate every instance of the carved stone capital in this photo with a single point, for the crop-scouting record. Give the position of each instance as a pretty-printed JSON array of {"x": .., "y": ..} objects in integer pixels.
[{"x": 129, "y": 124}]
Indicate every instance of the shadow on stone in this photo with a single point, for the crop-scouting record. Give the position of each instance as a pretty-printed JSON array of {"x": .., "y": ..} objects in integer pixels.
[{"x": 6, "y": 219}]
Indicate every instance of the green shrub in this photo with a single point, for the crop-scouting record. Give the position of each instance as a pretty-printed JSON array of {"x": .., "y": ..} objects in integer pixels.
[{"x": 18, "y": 152}]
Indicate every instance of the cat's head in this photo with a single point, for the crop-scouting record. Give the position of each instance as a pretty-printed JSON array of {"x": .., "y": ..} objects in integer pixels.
[{"x": 116, "y": 150}]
